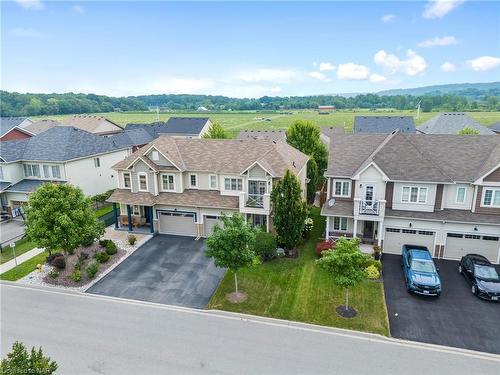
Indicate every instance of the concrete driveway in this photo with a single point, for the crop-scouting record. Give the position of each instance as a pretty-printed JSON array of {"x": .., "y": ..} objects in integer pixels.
[
  {"x": 457, "y": 318},
  {"x": 167, "y": 269},
  {"x": 12, "y": 230}
]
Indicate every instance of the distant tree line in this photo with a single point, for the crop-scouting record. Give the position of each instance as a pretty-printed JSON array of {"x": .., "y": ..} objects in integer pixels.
[{"x": 15, "y": 104}]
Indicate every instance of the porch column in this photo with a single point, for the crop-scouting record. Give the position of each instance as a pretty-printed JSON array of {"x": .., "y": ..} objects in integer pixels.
[
  {"x": 267, "y": 223},
  {"x": 327, "y": 233},
  {"x": 380, "y": 233},
  {"x": 355, "y": 229},
  {"x": 151, "y": 224},
  {"x": 115, "y": 213},
  {"x": 129, "y": 216}
]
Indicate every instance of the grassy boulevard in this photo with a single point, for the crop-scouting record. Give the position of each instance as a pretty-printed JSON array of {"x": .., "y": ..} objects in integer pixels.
[{"x": 296, "y": 289}]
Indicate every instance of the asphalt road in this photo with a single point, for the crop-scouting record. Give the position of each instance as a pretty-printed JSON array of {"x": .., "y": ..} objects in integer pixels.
[
  {"x": 167, "y": 269},
  {"x": 88, "y": 334},
  {"x": 457, "y": 318}
]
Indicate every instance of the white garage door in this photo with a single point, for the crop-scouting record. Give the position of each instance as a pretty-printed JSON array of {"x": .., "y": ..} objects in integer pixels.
[
  {"x": 395, "y": 238},
  {"x": 459, "y": 244},
  {"x": 209, "y": 223},
  {"x": 178, "y": 223}
]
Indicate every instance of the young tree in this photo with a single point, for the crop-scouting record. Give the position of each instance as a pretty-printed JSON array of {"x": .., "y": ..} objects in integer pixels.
[
  {"x": 290, "y": 210},
  {"x": 59, "y": 216},
  {"x": 346, "y": 264},
  {"x": 231, "y": 246},
  {"x": 19, "y": 361},
  {"x": 305, "y": 136},
  {"x": 216, "y": 131},
  {"x": 468, "y": 131}
]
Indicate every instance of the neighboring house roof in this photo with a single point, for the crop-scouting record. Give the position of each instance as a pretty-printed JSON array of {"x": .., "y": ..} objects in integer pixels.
[
  {"x": 415, "y": 157},
  {"x": 57, "y": 144},
  {"x": 230, "y": 156},
  {"x": 448, "y": 215},
  {"x": 133, "y": 137},
  {"x": 186, "y": 125},
  {"x": 40, "y": 126},
  {"x": 92, "y": 124},
  {"x": 4, "y": 185},
  {"x": 452, "y": 123},
  {"x": 383, "y": 124},
  {"x": 273, "y": 135},
  {"x": 7, "y": 124},
  {"x": 28, "y": 186},
  {"x": 495, "y": 127}
]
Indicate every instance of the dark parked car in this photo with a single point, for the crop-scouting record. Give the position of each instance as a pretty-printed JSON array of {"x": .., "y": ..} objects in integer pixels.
[
  {"x": 481, "y": 275},
  {"x": 421, "y": 275}
]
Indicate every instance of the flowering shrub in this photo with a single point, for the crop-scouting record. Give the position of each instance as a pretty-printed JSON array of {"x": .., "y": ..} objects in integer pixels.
[
  {"x": 372, "y": 272},
  {"x": 323, "y": 246}
]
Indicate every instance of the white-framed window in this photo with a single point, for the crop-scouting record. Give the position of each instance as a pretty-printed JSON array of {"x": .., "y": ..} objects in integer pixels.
[
  {"x": 97, "y": 162},
  {"x": 213, "y": 181},
  {"x": 46, "y": 171},
  {"x": 167, "y": 182},
  {"x": 340, "y": 223},
  {"x": 143, "y": 181},
  {"x": 126, "y": 180},
  {"x": 155, "y": 155},
  {"x": 193, "y": 180},
  {"x": 460, "y": 198},
  {"x": 414, "y": 194},
  {"x": 341, "y": 188},
  {"x": 491, "y": 197},
  {"x": 31, "y": 170},
  {"x": 51, "y": 171},
  {"x": 1, "y": 172},
  {"x": 234, "y": 184}
]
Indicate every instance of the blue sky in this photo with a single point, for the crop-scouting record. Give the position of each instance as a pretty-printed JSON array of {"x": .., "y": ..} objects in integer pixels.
[{"x": 244, "y": 49}]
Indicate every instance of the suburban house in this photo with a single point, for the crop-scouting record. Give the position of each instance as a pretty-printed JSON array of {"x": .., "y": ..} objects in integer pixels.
[
  {"x": 11, "y": 128},
  {"x": 383, "y": 124},
  {"x": 93, "y": 124},
  {"x": 439, "y": 191},
  {"x": 273, "y": 135},
  {"x": 182, "y": 186},
  {"x": 451, "y": 123},
  {"x": 327, "y": 132},
  {"x": 40, "y": 126},
  {"x": 496, "y": 127},
  {"x": 62, "y": 154}
]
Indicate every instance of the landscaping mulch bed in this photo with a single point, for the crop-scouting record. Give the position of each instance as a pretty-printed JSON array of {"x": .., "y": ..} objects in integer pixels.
[
  {"x": 64, "y": 278},
  {"x": 346, "y": 313}
]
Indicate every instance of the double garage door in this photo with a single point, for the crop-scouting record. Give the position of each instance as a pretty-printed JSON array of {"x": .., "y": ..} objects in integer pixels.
[
  {"x": 395, "y": 238},
  {"x": 178, "y": 223},
  {"x": 459, "y": 244}
]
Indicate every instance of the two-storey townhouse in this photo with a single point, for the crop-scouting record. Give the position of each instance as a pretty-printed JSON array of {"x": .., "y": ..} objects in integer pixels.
[
  {"x": 182, "y": 186},
  {"x": 439, "y": 191},
  {"x": 60, "y": 154}
]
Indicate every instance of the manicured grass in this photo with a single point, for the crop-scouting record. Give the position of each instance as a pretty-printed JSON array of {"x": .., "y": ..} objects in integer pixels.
[
  {"x": 22, "y": 246},
  {"x": 104, "y": 210},
  {"x": 24, "y": 268},
  {"x": 296, "y": 289}
]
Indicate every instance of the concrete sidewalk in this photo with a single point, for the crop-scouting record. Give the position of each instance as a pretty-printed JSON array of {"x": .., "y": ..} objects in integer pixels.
[{"x": 20, "y": 259}]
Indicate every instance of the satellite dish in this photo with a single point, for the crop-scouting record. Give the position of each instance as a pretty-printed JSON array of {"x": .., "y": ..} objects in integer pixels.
[{"x": 331, "y": 202}]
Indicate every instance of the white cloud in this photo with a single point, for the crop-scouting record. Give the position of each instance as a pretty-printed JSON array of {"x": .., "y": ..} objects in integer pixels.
[
  {"x": 23, "y": 32},
  {"x": 413, "y": 65},
  {"x": 181, "y": 85},
  {"x": 324, "y": 67},
  {"x": 317, "y": 75},
  {"x": 269, "y": 75},
  {"x": 351, "y": 71},
  {"x": 484, "y": 63},
  {"x": 448, "y": 67},
  {"x": 438, "y": 41},
  {"x": 377, "y": 78},
  {"x": 440, "y": 8},
  {"x": 31, "y": 4},
  {"x": 388, "y": 18},
  {"x": 78, "y": 9}
]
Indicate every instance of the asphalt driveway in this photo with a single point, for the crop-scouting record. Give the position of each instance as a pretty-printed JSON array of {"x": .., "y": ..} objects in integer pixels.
[
  {"x": 457, "y": 318},
  {"x": 167, "y": 269}
]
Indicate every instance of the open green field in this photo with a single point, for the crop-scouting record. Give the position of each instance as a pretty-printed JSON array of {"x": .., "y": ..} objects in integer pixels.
[{"x": 236, "y": 121}]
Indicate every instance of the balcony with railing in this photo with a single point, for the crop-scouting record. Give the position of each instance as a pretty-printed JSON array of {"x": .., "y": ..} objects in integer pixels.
[
  {"x": 374, "y": 208},
  {"x": 255, "y": 203}
]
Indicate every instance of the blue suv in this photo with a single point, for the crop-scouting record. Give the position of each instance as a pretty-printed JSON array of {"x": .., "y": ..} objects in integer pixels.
[{"x": 421, "y": 275}]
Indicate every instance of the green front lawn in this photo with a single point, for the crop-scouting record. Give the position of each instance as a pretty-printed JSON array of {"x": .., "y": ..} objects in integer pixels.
[
  {"x": 22, "y": 246},
  {"x": 104, "y": 210},
  {"x": 24, "y": 268},
  {"x": 296, "y": 289}
]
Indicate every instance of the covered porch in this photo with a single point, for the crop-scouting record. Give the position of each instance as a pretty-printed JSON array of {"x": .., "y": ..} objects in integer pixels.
[{"x": 133, "y": 218}]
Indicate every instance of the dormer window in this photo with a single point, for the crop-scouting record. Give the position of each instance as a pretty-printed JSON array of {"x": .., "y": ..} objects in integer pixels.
[{"x": 155, "y": 155}]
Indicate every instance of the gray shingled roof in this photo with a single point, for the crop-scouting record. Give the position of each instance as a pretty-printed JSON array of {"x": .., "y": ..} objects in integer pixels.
[
  {"x": 185, "y": 125},
  {"x": 133, "y": 137},
  {"x": 60, "y": 143},
  {"x": 383, "y": 124},
  {"x": 415, "y": 157},
  {"x": 495, "y": 127},
  {"x": 29, "y": 186},
  {"x": 4, "y": 185},
  {"x": 7, "y": 123},
  {"x": 447, "y": 214},
  {"x": 452, "y": 123},
  {"x": 274, "y": 135}
]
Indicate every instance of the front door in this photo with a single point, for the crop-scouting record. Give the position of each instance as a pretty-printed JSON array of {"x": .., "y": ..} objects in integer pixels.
[{"x": 368, "y": 230}]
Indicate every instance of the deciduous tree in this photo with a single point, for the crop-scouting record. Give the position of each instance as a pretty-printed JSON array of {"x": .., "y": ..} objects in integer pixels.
[
  {"x": 19, "y": 361},
  {"x": 217, "y": 131}
]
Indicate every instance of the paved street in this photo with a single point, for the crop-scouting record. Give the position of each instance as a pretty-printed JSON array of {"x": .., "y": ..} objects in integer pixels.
[
  {"x": 167, "y": 269},
  {"x": 90, "y": 334}
]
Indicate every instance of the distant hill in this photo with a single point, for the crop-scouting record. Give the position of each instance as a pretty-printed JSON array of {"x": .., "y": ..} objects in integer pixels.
[{"x": 473, "y": 90}]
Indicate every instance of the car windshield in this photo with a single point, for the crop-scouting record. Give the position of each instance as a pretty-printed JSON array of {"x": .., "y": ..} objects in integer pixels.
[
  {"x": 486, "y": 272},
  {"x": 420, "y": 265}
]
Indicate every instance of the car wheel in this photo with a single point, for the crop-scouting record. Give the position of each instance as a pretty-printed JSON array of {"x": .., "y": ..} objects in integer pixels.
[
  {"x": 459, "y": 268},
  {"x": 473, "y": 289}
]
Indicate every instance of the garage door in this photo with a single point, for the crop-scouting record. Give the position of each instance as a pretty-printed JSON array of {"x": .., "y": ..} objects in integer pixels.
[
  {"x": 459, "y": 244},
  {"x": 395, "y": 238},
  {"x": 209, "y": 223},
  {"x": 178, "y": 223}
]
